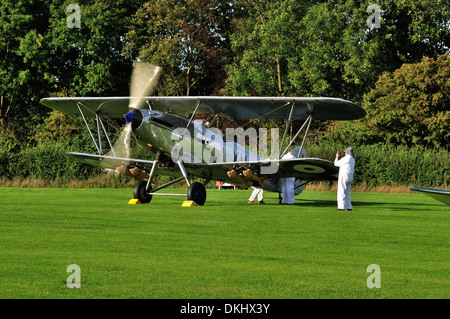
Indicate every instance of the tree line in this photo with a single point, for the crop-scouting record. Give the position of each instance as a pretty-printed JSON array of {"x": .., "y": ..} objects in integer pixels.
[{"x": 390, "y": 57}]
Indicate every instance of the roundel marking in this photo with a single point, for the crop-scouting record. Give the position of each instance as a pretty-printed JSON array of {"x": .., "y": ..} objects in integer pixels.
[{"x": 312, "y": 169}]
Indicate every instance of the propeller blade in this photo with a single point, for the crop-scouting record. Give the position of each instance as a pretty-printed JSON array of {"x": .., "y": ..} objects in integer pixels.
[
  {"x": 144, "y": 81},
  {"x": 122, "y": 145}
]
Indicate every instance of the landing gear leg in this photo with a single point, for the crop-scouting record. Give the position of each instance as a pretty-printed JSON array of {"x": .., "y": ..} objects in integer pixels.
[
  {"x": 144, "y": 192},
  {"x": 143, "y": 189},
  {"x": 196, "y": 191}
]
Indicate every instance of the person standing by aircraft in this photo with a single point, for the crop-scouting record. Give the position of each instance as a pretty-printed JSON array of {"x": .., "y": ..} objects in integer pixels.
[
  {"x": 346, "y": 169},
  {"x": 257, "y": 191},
  {"x": 287, "y": 185}
]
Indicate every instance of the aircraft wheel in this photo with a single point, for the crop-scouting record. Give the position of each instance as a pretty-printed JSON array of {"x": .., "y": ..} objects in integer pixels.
[
  {"x": 141, "y": 194},
  {"x": 197, "y": 193}
]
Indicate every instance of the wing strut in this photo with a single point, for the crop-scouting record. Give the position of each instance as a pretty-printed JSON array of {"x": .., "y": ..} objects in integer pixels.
[
  {"x": 106, "y": 135},
  {"x": 99, "y": 123},
  {"x": 99, "y": 135},
  {"x": 89, "y": 129},
  {"x": 183, "y": 171},
  {"x": 304, "y": 137},
  {"x": 288, "y": 125},
  {"x": 193, "y": 114},
  {"x": 307, "y": 122},
  {"x": 147, "y": 187}
]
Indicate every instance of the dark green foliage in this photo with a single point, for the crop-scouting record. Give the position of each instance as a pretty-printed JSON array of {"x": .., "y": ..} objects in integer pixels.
[
  {"x": 46, "y": 162},
  {"x": 317, "y": 48},
  {"x": 410, "y": 107},
  {"x": 188, "y": 39}
]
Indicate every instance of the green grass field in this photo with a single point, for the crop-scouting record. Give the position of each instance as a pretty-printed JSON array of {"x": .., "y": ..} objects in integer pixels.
[{"x": 225, "y": 249}]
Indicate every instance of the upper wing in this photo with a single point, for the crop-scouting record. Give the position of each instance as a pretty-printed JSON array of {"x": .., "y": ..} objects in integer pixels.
[
  {"x": 109, "y": 107},
  {"x": 321, "y": 108}
]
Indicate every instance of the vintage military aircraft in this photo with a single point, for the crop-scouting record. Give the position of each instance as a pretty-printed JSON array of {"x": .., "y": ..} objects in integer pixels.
[{"x": 166, "y": 126}]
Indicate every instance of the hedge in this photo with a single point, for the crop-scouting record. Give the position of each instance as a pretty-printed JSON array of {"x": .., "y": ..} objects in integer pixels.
[
  {"x": 381, "y": 164},
  {"x": 45, "y": 161},
  {"x": 376, "y": 165}
]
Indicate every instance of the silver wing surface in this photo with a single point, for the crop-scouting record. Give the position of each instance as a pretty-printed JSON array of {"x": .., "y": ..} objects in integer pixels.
[
  {"x": 439, "y": 194},
  {"x": 111, "y": 162},
  {"x": 321, "y": 108}
]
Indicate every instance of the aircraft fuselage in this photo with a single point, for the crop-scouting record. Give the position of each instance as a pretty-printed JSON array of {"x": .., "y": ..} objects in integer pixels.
[
  {"x": 165, "y": 132},
  {"x": 172, "y": 134}
]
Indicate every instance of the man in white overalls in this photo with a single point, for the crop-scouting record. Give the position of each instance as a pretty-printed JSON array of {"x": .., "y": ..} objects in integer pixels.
[
  {"x": 346, "y": 169},
  {"x": 287, "y": 185}
]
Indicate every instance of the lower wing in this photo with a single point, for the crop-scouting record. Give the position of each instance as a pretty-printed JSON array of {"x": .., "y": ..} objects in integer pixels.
[
  {"x": 110, "y": 162},
  {"x": 307, "y": 169}
]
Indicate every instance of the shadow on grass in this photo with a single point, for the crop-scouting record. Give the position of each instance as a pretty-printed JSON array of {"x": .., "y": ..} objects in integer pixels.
[{"x": 356, "y": 204}]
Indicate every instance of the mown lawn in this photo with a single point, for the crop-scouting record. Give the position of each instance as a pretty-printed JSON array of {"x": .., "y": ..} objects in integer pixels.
[{"x": 225, "y": 249}]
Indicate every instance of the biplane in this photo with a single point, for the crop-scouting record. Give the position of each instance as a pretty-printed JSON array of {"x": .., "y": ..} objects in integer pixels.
[{"x": 161, "y": 124}]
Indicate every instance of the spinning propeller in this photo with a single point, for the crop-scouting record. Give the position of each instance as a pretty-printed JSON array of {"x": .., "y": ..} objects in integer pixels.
[{"x": 144, "y": 81}]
